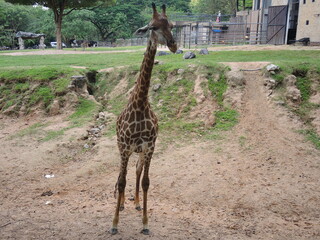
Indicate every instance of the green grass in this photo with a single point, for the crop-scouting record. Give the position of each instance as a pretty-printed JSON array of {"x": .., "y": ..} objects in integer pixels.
[
  {"x": 60, "y": 86},
  {"x": 226, "y": 119},
  {"x": 110, "y": 59},
  {"x": 218, "y": 87},
  {"x": 32, "y": 130},
  {"x": 312, "y": 136},
  {"x": 52, "y": 135},
  {"x": 43, "y": 94},
  {"x": 84, "y": 112}
]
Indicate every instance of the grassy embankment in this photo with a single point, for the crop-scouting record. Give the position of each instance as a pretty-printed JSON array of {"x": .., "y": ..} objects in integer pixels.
[{"x": 46, "y": 77}]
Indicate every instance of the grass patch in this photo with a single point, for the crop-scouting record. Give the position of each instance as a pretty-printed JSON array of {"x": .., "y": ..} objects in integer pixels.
[
  {"x": 60, "y": 86},
  {"x": 304, "y": 85},
  {"x": 32, "y": 130},
  {"x": 84, "y": 112},
  {"x": 218, "y": 87},
  {"x": 52, "y": 135},
  {"x": 42, "y": 93},
  {"x": 312, "y": 136},
  {"x": 226, "y": 119}
]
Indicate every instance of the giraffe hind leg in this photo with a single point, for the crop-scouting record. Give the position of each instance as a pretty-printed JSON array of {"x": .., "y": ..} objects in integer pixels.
[{"x": 139, "y": 169}]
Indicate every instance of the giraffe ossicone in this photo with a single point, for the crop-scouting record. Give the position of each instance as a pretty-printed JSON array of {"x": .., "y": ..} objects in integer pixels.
[{"x": 137, "y": 125}]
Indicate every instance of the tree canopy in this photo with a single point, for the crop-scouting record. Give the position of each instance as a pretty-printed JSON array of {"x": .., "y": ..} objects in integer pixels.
[{"x": 62, "y": 8}]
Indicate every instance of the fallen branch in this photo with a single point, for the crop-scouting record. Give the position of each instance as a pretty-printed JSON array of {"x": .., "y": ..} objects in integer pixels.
[{"x": 5, "y": 224}]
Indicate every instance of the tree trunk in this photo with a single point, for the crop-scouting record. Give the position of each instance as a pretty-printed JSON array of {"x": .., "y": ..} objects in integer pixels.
[
  {"x": 58, "y": 34},
  {"x": 58, "y": 14}
]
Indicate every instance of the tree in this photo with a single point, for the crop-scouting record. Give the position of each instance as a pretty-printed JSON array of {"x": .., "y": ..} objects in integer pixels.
[
  {"x": 118, "y": 21},
  {"x": 13, "y": 19},
  {"x": 62, "y": 8}
]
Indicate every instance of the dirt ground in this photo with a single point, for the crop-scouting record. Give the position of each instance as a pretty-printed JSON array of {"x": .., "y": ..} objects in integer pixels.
[{"x": 259, "y": 181}]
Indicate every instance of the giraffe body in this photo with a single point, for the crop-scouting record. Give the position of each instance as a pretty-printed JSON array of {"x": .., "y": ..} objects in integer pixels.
[{"x": 137, "y": 125}]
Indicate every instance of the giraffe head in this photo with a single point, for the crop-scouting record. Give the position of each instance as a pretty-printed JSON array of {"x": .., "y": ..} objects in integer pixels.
[{"x": 160, "y": 28}]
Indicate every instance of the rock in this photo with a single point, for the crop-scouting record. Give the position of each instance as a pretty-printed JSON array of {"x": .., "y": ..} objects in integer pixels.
[
  {"x": 272, "y": 67},
  {"x": 162, "y": 53},
  {"x": 94, "y": 130},
  {"x": 180, "y": 71},
  {"x": 270, "y": 83},
  {"x": 179, "y": 51},
  {"x": 86, "y": 146},
  {"x": 290, "y": 80},
  {"x": 293, "y": 94},
  {"x": 79, "y": 84},
  {"x": 235, "y": 79},
  {"x": 54, "y": 108},
  {"x": 101, "y": 116},
  {"x": 189, "y": 55},
  {"x": 157, "y": 62},
  {"x": 204, "y": 51},
  {"x": 156, "y": 87}
]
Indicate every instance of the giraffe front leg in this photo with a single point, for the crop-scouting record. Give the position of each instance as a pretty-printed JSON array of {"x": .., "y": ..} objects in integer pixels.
[{"x": 145, "y": 187}]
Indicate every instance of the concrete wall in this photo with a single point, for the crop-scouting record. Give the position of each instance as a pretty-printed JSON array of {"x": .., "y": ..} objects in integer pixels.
[
  {"x": 279, "y": 2},
  {"x": 310, "y": 11}
]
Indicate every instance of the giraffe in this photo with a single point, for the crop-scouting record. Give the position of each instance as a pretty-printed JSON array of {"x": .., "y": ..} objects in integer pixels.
[{"x": 137, "y": 125}]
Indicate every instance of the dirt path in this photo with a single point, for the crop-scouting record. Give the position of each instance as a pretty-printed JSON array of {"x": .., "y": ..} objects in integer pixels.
[{"x": 260, "y": 181}]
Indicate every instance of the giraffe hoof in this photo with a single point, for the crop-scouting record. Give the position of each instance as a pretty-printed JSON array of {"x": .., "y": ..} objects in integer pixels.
[
  {"x": 138, "y": 208},
  {"x": 113, "y": 231},
  {"x": 121, "y": 208},
  {"x": 145, "y": 232}
]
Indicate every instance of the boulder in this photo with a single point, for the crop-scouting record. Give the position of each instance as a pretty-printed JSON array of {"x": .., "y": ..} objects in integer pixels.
[
  {"x": 235, "y": 79},
  {"x": 54, "y": 108},
  {"x": 204, "y": 51},
  {"x": 179, "y": 51},
  {"x": 272, "y": 67},
  {"x": 290, "y": 80},
  {"x": 293, "y": 94},
  {"x": 189, "y": 55},
  {"x": 162, "y": 53}
]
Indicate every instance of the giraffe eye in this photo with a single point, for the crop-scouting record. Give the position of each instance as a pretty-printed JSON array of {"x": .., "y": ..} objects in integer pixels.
[{"x": 154, "y": 28}]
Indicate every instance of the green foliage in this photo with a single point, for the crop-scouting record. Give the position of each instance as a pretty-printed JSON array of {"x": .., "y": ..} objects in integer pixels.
[{"x": 226, "y": 119}]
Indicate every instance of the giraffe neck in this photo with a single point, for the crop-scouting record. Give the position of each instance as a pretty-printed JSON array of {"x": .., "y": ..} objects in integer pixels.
[{"x": 140, "y": 93}]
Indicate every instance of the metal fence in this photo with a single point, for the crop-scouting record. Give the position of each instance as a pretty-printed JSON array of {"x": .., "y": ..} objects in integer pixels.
[{"x": 206, "y": 30}]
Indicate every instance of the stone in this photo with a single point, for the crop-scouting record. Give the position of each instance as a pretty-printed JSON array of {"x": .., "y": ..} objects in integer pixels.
[
  {"x": 94, "y": 130},
  {"x": 157, "y": 62},
  {"x": 293, "y": 94},
  {"x": 270, "y": 83},
  {"x": 179, "y": 51},
  {"x": 290, "y": 80},
  {"x": 101, "y": 116},
  {"x": 189, "y": 55},
  {"x": 272, "y": 67},
  {"x": 204, "y": 51},
  {"x": 235, "y": 79},
  {"x": 156, "y": 87},
  {"x": 162, "y": 53},
  {"x": 54, "y": 108},
  {"x": 180, "y": 71}
]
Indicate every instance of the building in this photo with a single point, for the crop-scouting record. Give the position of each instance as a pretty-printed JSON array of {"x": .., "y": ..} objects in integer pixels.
[{"x": 286, "y": 21}]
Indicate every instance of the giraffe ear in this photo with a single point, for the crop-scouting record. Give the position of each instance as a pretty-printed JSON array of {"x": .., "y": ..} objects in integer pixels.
[{"x": 142, "y": 31}]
